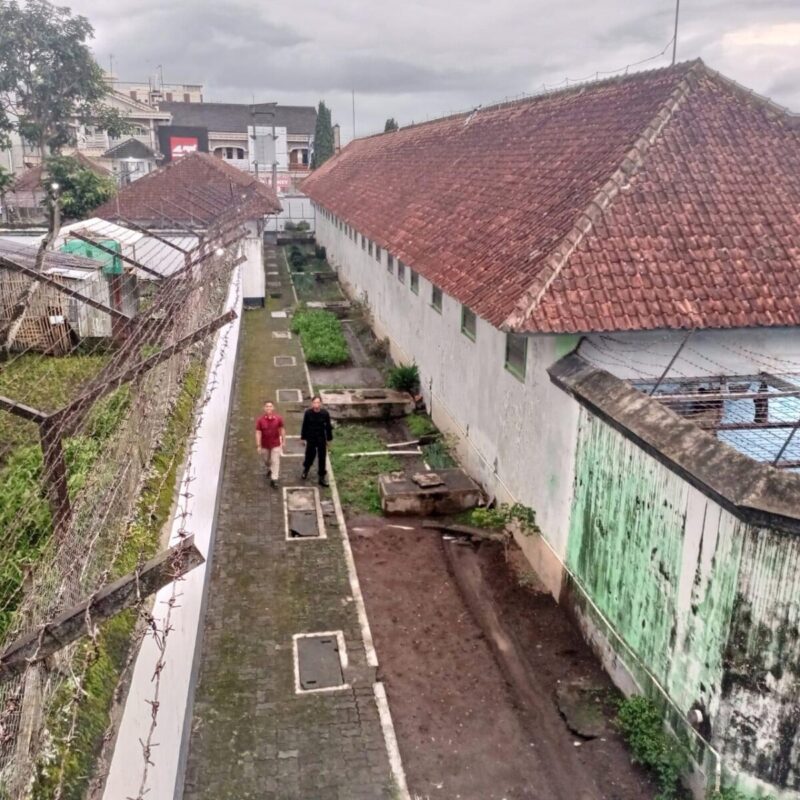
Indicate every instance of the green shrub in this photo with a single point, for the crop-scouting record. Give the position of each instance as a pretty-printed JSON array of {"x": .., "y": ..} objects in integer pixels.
[
  {"x": 322, "y": 337},
  {"x": 297, "y": 259},
  {"x": 290, "y": 226},
  {"x": 641, "y": 723},
  {"x": 303, "y": 226},
  {"x": 320, "y": 252},
  {"x": 404, "y": 378}
]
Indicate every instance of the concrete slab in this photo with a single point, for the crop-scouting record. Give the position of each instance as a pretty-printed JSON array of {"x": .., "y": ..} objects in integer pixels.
[
  {"x": 367, "y": 403},
  {"x": 446, "y": 491},
  {"x": 284, "y": 361},
  {"x": 349, "y": 377}
]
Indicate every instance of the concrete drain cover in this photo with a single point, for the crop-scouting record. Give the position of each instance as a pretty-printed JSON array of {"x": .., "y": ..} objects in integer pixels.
[
  {"x": 285, "y": 361},
  {"x": 278, "y": 314},
  {"x": 302, "y": 514},
  {"x": 303, "y": 524},
  {"x": 319, "y": 665},
  {"x": 281, "y": 334},
  {"x": 289, "y": 396}
]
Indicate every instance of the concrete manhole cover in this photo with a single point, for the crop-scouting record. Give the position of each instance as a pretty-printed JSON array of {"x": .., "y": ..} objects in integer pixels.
[
  {"x": 289, "y": 396},
  {"x": 278, "y": 314},
  {"x": 281, "y": 334},
  {"x": 285, "y": 361},
  {"x": 319, "y": 663}
]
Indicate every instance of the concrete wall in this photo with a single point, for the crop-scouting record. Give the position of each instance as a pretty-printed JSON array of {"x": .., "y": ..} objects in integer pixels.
[
  {"x": 706, "y": 605},
  {"x": 203, "y": 474},
  {"x": 518, "y": 440}
]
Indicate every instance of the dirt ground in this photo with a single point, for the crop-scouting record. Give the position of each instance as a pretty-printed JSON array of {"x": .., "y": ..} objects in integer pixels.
[{"x": 474, "y": 656}]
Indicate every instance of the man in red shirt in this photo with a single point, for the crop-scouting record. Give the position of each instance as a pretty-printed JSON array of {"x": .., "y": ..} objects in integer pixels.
[{"x": 270, "y": 439}]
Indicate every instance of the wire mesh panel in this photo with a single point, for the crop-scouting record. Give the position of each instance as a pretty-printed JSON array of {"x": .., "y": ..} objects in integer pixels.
[
  {"x": 83, "y": 409},
  {"x": 746, "y": 394}
]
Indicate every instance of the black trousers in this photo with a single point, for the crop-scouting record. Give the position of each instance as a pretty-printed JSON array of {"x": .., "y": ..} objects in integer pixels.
[{"x": 318, "y": 450}]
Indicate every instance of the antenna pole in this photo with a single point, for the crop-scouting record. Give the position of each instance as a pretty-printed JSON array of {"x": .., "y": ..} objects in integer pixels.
[
  {"x": 675, "y": 37},
  {"x": 354, "y": 113}
]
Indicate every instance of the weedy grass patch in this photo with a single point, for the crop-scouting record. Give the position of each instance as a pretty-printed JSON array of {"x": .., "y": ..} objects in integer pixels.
[{"x": 357, "y": 478}]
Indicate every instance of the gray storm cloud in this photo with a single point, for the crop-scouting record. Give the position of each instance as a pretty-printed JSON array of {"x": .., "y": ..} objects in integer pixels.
[{"x": 421, "y": 59}]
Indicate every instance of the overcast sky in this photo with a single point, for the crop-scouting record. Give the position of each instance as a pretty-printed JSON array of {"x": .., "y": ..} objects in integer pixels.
[{"x": 424, "y": 58}]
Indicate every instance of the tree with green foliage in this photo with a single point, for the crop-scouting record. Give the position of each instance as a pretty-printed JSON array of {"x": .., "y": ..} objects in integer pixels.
[
  {"x": 323, "y": 136},
  {"x": 80, "y": 189},
  {"x": 391, "y": 125},
  {"x": 49, "y": 80}
]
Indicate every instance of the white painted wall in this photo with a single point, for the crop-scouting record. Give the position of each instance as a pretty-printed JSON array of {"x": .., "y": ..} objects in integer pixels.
[
  {"x": 517, "y": 438},
  {"x": 179, "y": 675},
  {"x": 254, "y": 279}
]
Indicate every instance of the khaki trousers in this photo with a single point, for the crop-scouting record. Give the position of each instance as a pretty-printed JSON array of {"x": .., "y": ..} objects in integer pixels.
[{"x": 272, "y": 461}]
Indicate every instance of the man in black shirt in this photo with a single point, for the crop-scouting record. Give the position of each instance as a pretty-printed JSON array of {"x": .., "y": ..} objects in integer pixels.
[{"x": 315, "y": 434}]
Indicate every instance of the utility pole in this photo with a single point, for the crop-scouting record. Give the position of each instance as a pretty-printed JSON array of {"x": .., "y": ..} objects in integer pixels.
[
  {"x": 354, "y": 113},
  {"x": 675, "y": 37}
]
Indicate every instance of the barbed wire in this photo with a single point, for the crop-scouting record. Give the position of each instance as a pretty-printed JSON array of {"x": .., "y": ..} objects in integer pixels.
[
  {"x": 41, "y": 574},
  {"x": 745, "y": 397}
]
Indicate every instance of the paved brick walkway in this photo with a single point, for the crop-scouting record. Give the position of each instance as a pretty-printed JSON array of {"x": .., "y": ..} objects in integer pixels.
[{"x": 252, "y": 736}]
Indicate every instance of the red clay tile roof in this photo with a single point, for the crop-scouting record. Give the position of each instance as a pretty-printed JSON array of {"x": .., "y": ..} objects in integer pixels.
[
  {"x": 665, "y": 199},
  {"x": 196, "y": 189}
]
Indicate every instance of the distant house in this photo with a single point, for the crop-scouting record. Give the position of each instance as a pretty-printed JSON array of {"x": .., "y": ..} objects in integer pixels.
[
  {"x": 242, "y": 134},
  {"x": 25, "y": 200},
  {"x": 130, "y": 160},
  {"x": 194, "y": 194},
  {"x": 601, "y": 289}
]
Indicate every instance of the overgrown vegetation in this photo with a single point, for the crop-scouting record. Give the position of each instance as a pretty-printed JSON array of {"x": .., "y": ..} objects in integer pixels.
[
  {"x": 116, "y": 636},
  {"x": 357, "y": 478},
  {"x": 498, "y": 517},
  {"x": 43, "y": 382},
  {"x": 437, "y": 456},
  {"x": 641, "y": 723},
  {"x": 321, "y": 336},
  {"x": 24, "y": 508},
  {"x": 404, "y": 378},
  {"x": 420, "y": 425}
]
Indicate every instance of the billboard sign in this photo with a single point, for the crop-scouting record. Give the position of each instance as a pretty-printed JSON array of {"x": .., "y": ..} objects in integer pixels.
[
  {"x": 180, "y": 146},
  {"x": 177, "y": 141}
]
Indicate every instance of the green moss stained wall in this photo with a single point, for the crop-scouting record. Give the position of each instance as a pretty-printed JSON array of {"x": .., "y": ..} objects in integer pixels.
[{"x": 709, "y": 604}]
